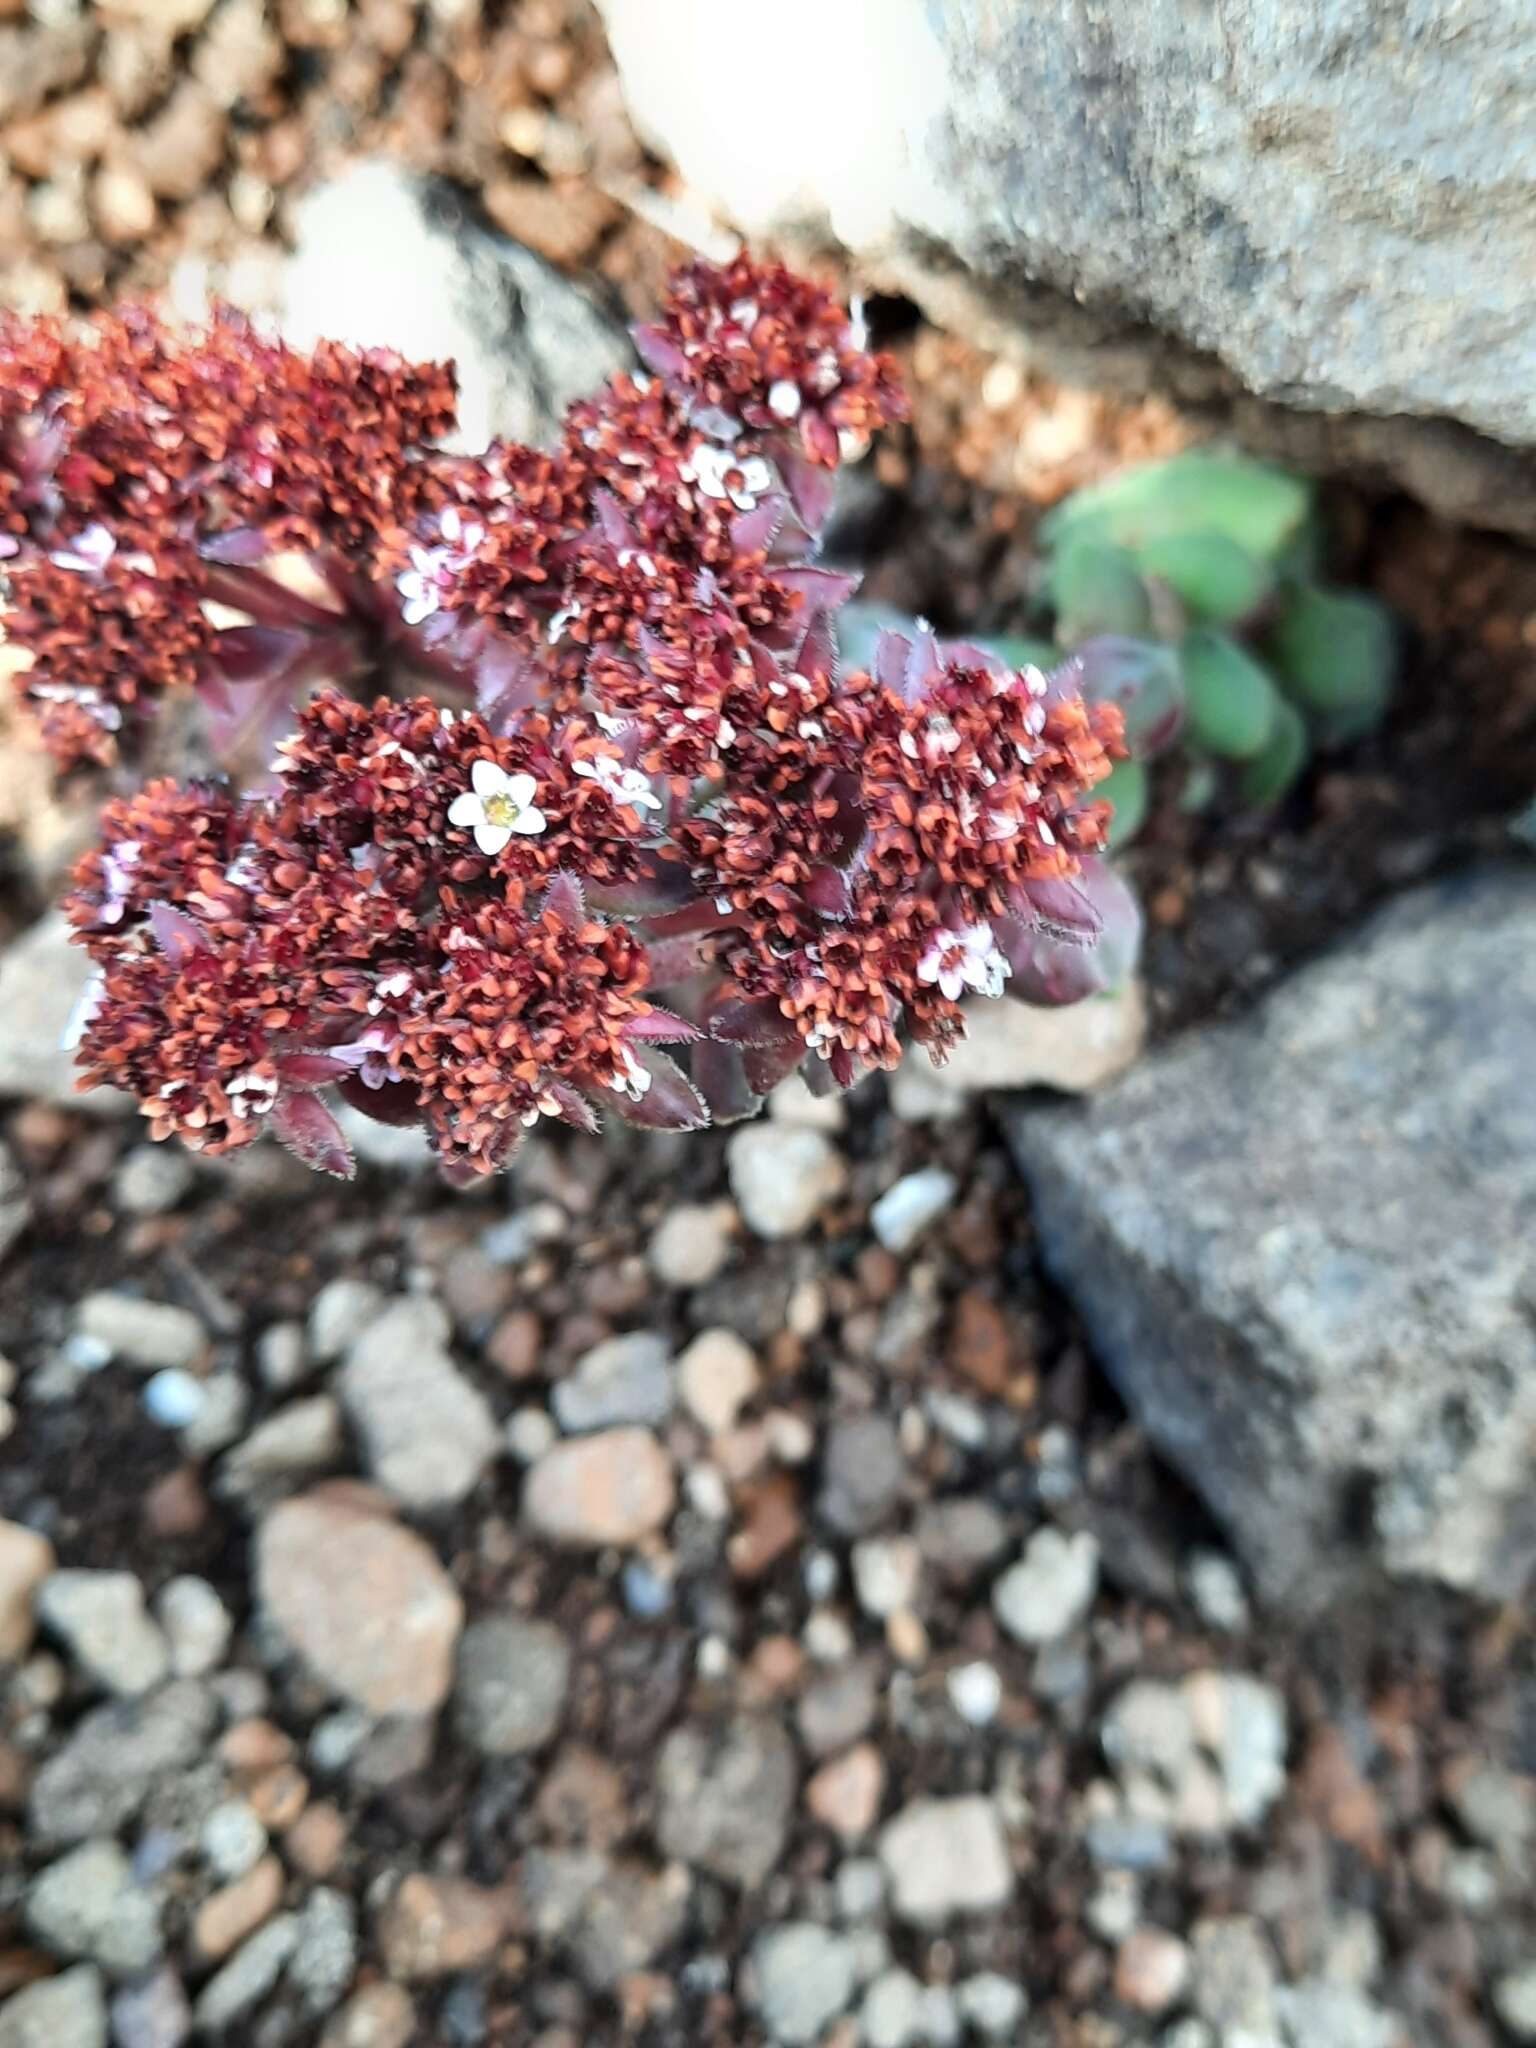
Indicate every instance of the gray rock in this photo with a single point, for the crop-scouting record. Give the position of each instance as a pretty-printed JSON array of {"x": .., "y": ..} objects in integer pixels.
[
  {"x": 1050, "y": 1590},
  {"x": 525, "y": 341},
  {"x": 862, "y": 1474},
  {"x": 1316, "y": 2015},
  {"x": 803, "y": 1976},
  {"x": 98, "y": 1781},
  {"x": 15, "y": 1202},
  {"x": 626, "y": 1379},
  {"x": 42, "y": 978},
  {"x": 296, "y": 1442},
  {"x": 149, "y": 1334},
  {"x": 88, "y": 1909},
  {"x": 783, "y": 1177},
  {"x": 152, "y": 2014},
  {"x": 247, "y": 1977},
  {"x": 233, "y": 1839},
  {"x": 725, "y": 1795},
  {"x": 339, "y": 1314},
  {"x": 428, "y": 1434},
  {"x": 1233, "y": 1984},
  {"x": 364, "y": 1602},
  {"x": 512, "y": 1681},
  {"x": 61, "y": 2012},
  {"x": 282, "y": 1357},
  {"x": 630, "y": 1915},
  {"x": 325, "y": 1955},
  {"x": 691, "y": 1244},
  {"x": 1187, "y": 219},
  {"x": 994, "y": 2005},
  {"x": 892, "y": 2012},
  {"x": 196, "y": 1625},
  {"x": 912, "y": 1206},
  {"x": 1514, "y": 2000},
  {"x": 100, "y": 1618},
  {"x": 944, "y": 1858},
  {"x": 152, "y": 1179},
  {"x": 1233, "y": 1218},
  {"x": 220, "y": 1415}
]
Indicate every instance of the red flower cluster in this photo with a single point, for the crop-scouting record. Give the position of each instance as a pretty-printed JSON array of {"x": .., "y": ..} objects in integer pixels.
[{"x": 641, "y": 805}]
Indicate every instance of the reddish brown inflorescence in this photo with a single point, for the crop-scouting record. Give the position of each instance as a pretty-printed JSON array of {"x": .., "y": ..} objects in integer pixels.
[{"x": 551, "y": 764}]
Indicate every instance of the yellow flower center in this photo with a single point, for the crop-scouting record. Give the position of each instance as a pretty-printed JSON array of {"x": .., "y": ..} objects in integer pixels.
[{"x": 500, "y": 810}]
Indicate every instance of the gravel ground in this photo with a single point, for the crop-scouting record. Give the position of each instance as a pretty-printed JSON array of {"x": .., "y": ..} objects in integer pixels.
[{"x": 692, "y": 1593}]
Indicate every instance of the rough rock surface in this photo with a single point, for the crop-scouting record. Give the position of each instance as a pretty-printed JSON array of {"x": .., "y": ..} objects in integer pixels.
[
  {"x": 41, "y": 979},
  {"x": 1285, "y": 190},
  {"x": 363, "y": 1601},
  {"x": 427, "y": 1431},
  {"x": 525, "y": 339},
  {"x": 1303, "y": 1246}
]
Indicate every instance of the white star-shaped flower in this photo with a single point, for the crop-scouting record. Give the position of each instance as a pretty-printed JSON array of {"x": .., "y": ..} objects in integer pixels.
[
  {"x": 721, "y": 474},
  {"x": 624, "y": 785},
  {"x": 496, "y": 805},
  {"x": 632, "y": 1079},
  {"x": 965, "y": 958}
]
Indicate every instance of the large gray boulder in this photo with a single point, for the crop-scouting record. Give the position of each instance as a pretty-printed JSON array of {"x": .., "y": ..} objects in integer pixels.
[
  {"x": 384, "y": 257},
  {"x": 1329, "y": 203},
  {"x": 1304, "y": 1245}
]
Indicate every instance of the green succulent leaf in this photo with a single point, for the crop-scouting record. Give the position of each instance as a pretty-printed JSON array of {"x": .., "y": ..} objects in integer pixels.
[
  {"x": 1024, "y": 650},
  {"x": 1127, "y": 787},
  {"x": 1267, "y": 777},
  {"x": 1203, "y": 491},
  {"x": 1097, "y": 589},
  {"x": 1231, "y": 704},
  {"x": 1336, "y": 651},
  {"x": 1217, "y": 581}
]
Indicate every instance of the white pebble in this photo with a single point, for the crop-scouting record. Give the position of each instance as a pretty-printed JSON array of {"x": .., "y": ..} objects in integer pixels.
[
  {"x": 174, "y": 1398},
  {"x": 976, "y": 1693},
  {"x": 917, "y": 1201}
]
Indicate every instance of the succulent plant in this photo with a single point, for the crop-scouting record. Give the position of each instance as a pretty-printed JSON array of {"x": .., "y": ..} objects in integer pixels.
[{"x": 1188, "y": 589}]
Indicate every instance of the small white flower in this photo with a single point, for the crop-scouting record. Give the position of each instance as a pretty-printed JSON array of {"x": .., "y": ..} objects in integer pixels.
[
  {"x": 721, "y": 474},
  {"x": 419, "y": 585},
  {"x": 251, "y": 1094},
  {"x": 624, "y": 785},
  {"x": 496, "y": 805},
  {"x": 784, "y": 399},
  {"x": 88, "y": 554},
  {"x": 632, "y": 1080},
  {"x": 86, "y": 1004},
  {"x": 968, "y": 957}
]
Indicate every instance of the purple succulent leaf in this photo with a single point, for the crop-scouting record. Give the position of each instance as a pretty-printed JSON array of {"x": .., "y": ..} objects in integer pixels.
[
  {"x": 266, "y": 601},
  {"x": 816, "y": 656},
  {"x": 721, "y": 1077},
  {"x": 765, "y": 1066},
  {"x": 241, "y": 548},
  {"x": 308, "y": 1127},
  {"x": 566, "y": 900},
  {"x": 312, "y": 1069},
  {"x": 1062, "y": 907},
  {"x": 613, "y": 521},
  {"x": 968, "y": 654},
  {"x": 812, "y": 488},
  {"x": 506, "y": 681},
  {"x": 827, "y": 893},
  {"x": 893, "y": 651},
  {"x": 660, "y": 1027},
  {"x": 659, "y": 353},
  {"x": 179, "y": 937},
  {"x": 397, "y": 1103},
  {"x": 754, "y": 532},
  {"x": 572, "y": 1107},
  {"x": 247, "y": 655},
  {"x": 1141, "y": 677},
  {"x": 823, "y": 590},
  {"x": 670, "y": 1103},
  {"x": 665, "y": 886},
  {"x": 679, "y": 959},
  {"x": 737, "y": 1020}
]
